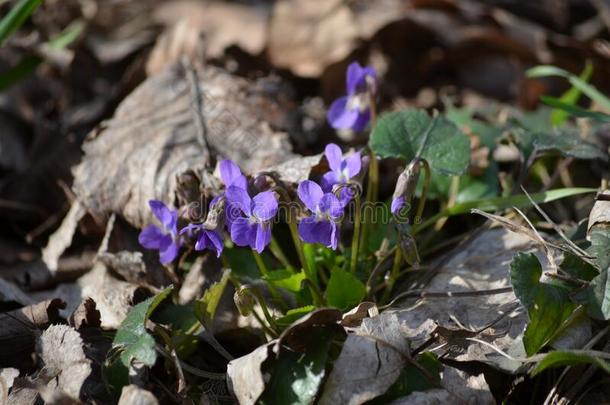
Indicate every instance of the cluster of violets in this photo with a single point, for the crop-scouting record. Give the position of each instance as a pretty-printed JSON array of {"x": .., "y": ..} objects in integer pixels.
[{"x": 248, "y": 218}]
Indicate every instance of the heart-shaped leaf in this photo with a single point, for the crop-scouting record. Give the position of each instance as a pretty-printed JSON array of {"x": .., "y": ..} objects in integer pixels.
[
  {"x": 344, "y": 290},
  {"x": 132, "y": 337},
  {"x": 403, "y": 133},
  {"x": 548, "y": 306}
]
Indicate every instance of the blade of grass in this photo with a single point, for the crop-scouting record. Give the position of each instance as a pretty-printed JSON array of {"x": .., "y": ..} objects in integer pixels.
[
  {"x": 586, "y": 88},
  {"x": 16, "y": 17},
  {"x": 574, "y": 110},
  {"x": 570, "y": 97},
  {"x": 501, "y": 203},
  {"x": 28, "y": 64}
]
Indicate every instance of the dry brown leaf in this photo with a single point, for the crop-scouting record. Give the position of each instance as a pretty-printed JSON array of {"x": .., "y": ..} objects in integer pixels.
[
  {"x": 113, "y": 298},
  {"x": 481, "y": 263},
  {"x": 61, "y": 239},
  {"x": 600, "y": 213},
  {"x": 134, "y": 395},
  {"x": 222, "y": 23},
  {"x": 154, "y": 136},
  {"x": 65, "y": 363},
  {"x": 19, "y": 330},
  {"x": 85, "y": 315},
  {"x": 366, "y": 368},
  {"x": 354, "y": 317},
  {"x": 7, "y": 376},
  {"x": 245, "y": 377},
  {"x": 306, "y": 36}
]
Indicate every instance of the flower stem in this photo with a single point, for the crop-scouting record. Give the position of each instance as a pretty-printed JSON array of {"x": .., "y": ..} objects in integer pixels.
[
  {"x": 371, "y": 197},
  {"x": 268, "y": 317},
  {"x": 393, "y": 275},
  {"x": 315, "y": 293},
  {"x": 424, "y": 195},
  {"x": 356, "y": 237},
  {"x": 276, "y": 249},
  {"x": 265, "y": 272}
]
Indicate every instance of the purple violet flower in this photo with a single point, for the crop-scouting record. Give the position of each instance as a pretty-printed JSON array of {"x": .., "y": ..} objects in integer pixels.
[
  {"x": 341, "y": 170},
  {"x": 206, "y": 238},
  {"x": 321, "y": 226},
  {"x": 165, "y": 239},
  {"x": 231, "y": 175},
  {"x": 251, "y": 217},
  {"x": 397, "y": 204},
  {"x": 354, "y": 110},
  {"x": 207, "y": 233}
]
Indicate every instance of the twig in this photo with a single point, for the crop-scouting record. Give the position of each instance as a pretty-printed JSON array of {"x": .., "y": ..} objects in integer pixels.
[
  {"x": 446, "y": 294},
  {"x": 197, "y": 109}
]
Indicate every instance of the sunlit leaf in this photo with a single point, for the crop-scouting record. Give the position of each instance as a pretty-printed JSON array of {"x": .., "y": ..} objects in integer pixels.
[
  {"x": 344, "y": 290},
  {"x": 586, "y": 88},
  {"x": 569, "y": 358},
  {"x": 402, "y": 133},
  {"x": 16, "y": 17},
  {"x": 548, "y": 306},
  {"x": 205, "y": 307},
  {"x": 132, "y": 338}
]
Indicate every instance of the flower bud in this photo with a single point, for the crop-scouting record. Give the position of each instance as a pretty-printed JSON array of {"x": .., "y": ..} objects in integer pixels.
[
  {"x": 244, "y": 301},
  {"x": 405, "y": 186}
]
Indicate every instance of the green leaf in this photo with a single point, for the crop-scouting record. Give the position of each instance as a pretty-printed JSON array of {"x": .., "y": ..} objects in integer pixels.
[
  {"x": 344, "y": 290},
  {"x": 16, "y": 17},
  {"x": 586, "y": 88},
  {"x": 132, "y": 338},
  {"x": 570, "y": 97},
  {"x": 296, "y": 377},
  {"x": 286, "y": 279},
  {"x": 502, "y": 203},
  {"x": 241, "y": 263},
  {"x": 569, "y": 358},
  {"x": 566, "y": 142},
  {"x": 547, "y": 305},
  {"x": 600, "y": 246},
  {"x": 294, "y": 314},
  {"x": 577, "y": 267},
  {"x": 575, "y": 110},
  {"x": 411, "y": 379},
  {"x": 402, "y": 133},
  {"x": 28, "y": 64},
  {"x": 205, "y": 307},
  {"x": 596, "y": 297}
]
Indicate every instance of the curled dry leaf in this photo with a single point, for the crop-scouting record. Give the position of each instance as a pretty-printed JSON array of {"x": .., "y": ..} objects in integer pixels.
[
  {"x": 134, "y": 395},
  {"x": 367, "y": 367},
  {"x": 354, "y": 317},
  {"x": 85, "y": 315},
  {"x": 7, "y": 376},
  {"x": 62, "y": 352},
  {"x": 113, "y": 297},
  {"x": 19, "y": 330},
  {"x": 168, "y": 125},
  {"x": 246, "y": 374},
  {"x": 216, "y": 25},
  {"x": 600, "y": 213},
  {"x": 306, "y": 36},
  {"x": 480, "y": 264}
]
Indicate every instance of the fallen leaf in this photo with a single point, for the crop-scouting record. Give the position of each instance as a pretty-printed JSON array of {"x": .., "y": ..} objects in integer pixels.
[
  {"x": 156, "y": 134},
  {"x": 134, "y": 395},
  {"x": 62, "y": 352},
  {"x": 7, "y": 376},
  {"x": 479, "y": 264},
  {"x": 354, "y": 317},
  {"x": 20, "y": 329},
  {"x": 366, "y": 367},
  {"x": 215, "y": 25},
  {"x": 85, "y": 315}
]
